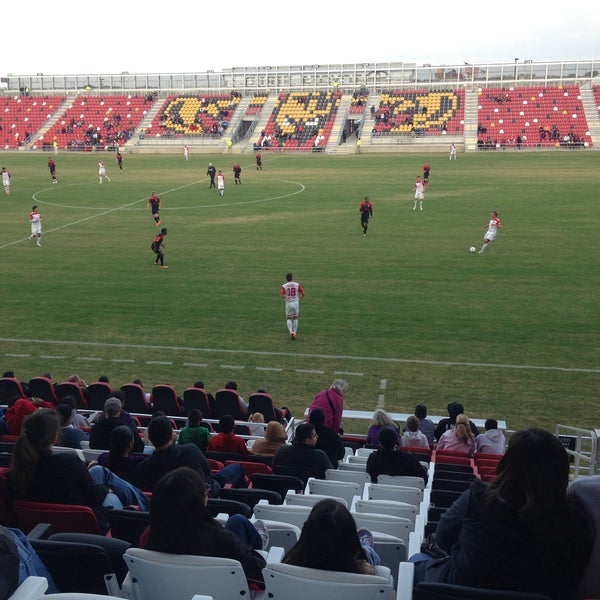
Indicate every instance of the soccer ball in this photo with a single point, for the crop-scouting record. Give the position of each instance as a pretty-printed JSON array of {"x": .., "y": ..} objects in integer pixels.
[{"x": 472, "y": 249}]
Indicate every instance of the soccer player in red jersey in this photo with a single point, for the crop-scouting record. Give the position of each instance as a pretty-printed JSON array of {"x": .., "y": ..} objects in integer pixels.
[
  {"x": 154, "y": 205},
  {"x": 366, "y": 212}
]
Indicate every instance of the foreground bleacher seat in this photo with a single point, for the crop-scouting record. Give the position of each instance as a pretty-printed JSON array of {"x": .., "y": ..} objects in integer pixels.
[
  {"x": 164, "y": 397},
  {"x": 250, "y": 496},
  {"x": 64, "y": 518},
  {"x": 159, "y": 576},
  {"x": 10, "y": 388},
  {"x": 42, "y": 387},
  {"x": 97, "y": 394},
  {"x": 91, "y": 564},
  {"x": 278, "y": 483},
  {"x": 296, "y": 515},
  {"x": 340, "y": 489},
  {"x": 446, "y": 591},
  {"x": 199, "y": 399},
  {"x": 289, "y": 582}
]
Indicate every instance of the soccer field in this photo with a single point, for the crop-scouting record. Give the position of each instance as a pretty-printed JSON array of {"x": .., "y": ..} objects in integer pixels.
[{"x": 406, "y": 314}]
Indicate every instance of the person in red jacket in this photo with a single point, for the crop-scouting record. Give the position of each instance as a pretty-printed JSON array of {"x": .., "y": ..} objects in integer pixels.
[
  {"x": 22, "y": 408},
  {"x": 226, "y": 440}
]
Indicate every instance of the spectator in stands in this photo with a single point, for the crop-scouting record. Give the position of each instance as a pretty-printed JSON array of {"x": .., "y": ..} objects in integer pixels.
[
  {"x": 425, "y": 425},
  {"x": 77, "y": 380},
  {"x": 79, "y": 421},
  {"x": 211, "y": 399},
  {"x": 380, "y": 419},
  {"x": 389, "y": 460},
  {"x": 17, "y": 412},
  {"x": 331, "y": 402},
  {"x": 38, "y": 474},
  {"x": 181, "y": 524},
  {"x": 492, "y": 441},
  {"x": 275, "y": 436},
  {"x": 119, "y": 459},
  {"x": 329, "y": 541},
  {"x": 458, "y": 439},
  {"x": 302, "y": 456},
  {"x": 226, "y": 440},
  {"x": 167, "y": 456},
  {"x": 232, "y": 385},
  {"x": 113, "y": 417},
  {"x": 195, "y": 432},
  {"x": 521, "y": 532},
  {"x": 327, "y": 440},
  {"x": 256, "y": 424},
  {"x": 70, "y": 436},
  {"x": 454, "y": 409},
  {"x": 24, "y": 384},
  {"x": 412, "y": 437},
  {"x": 586, "y": 490}
]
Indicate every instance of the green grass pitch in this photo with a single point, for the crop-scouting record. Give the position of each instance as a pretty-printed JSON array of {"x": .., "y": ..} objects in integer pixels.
[{"x": 406, "y": 315}]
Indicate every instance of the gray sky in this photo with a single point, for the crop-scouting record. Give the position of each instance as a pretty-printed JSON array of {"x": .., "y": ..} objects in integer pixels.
[{"x": 66, "y": 37}]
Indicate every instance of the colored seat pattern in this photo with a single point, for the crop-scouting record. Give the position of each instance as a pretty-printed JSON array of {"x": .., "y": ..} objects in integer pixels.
[
  {"x": 256, "y": 104},
  {"x": 301, "y": 121},
  {"x": 420, "y": 111},
  {"x": 22, "y": 116},
  {"x": 97, "y": 121},
  {"x": 539, "y": 116},
  {"x": 194, "y": 115}
]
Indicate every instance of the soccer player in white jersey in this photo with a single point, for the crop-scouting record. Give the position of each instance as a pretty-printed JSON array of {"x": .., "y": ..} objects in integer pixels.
[
  {"x": 102, "y": 171},
  {"x": 220, "y": 183},
  {"x": 6, "y": 180},
  {"x": 292, "y": 293},
  {"x": 492, "y": 229},
  {"x": 35, "y": 218},
  {"x": 419, "y": 188},
  {"x": 452, "y": 152}
]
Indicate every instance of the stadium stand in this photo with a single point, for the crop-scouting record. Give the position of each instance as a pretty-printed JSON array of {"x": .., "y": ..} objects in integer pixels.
[
  {"x": 193, "y": 115},
  {"x": 301, "y": 121},
  {"x": 22, "y": 116},
  {"x": 423, "y": 112},
  {"x": 533, "y": 116},
  {"x": 358, "y": 103},
  {"x": 100, "y": 122},
  {"x": 256, "y": 104}
]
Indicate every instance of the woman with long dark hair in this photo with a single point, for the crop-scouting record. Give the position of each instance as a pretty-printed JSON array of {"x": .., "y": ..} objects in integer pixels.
[
  {"x": 519, "y": 533},
  {"x": 39, "y": 475},
  {"x": 329, "y": 541},
  {"x": 180, "y": 523}
]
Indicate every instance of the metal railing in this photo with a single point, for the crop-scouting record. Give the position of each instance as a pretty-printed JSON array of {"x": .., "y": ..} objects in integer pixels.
[{"x": 582, "y": 448}]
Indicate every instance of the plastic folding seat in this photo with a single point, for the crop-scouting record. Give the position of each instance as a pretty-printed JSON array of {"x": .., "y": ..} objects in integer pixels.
[
  {"x": 64, "y": 518},
  {"x": 263, "y": 403},
  {"x": 227, "y": 402},
  {"x": 251, "y": 467},
  {"x": 97, "y": 394},
  {"x": 135, "y": 399},
  {"x": 68, "y": 388},
  {"x": 340, "y": 489},
  {"x": 163, "y": 397},
  {"x": 250, "y": 496},
  {"x": 42, "y": 387},
  {"x": 278, "y": 483},
  {"x": 198, "y": 398},
  {"x": 10, "y": 388},
  {"x": 217, "y": 506}
]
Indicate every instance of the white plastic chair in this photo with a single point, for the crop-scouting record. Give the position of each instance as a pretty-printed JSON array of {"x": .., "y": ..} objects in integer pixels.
[
  {"x": 281, "y": 535},
  {"x": 32, "y": 588},
  {"x": 286, "y": 513},
  {"x": 364, "y": 451},
  {"x": 361, "y": 477},
  {"x": 358, "y": 459},
  {"x": 396, "y": 526},
  {"x": 289, "y": 582},
  {"x": 352, "y": 466},
  {"x": 402, "y": 480},
  {"x": 157, "y": 575},
  {"x": 340, "y": 489},
  {"x": 380, "y": 491},
  {"x": 310, "y": 499},
  {"x": 387, "y": 507}
]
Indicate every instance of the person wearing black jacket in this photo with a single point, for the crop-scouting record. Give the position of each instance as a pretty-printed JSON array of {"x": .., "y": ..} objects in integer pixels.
[
  {"x": 329, "y": 441},
  {"x": 454, "y": 409},
  {"x": 388, "y": 460}
]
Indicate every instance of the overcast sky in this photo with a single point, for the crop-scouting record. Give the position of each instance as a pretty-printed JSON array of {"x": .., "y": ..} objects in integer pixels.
[{"x": 112, "y": 36}]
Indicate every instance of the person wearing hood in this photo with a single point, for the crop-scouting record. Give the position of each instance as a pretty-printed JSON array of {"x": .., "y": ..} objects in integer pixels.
[
  {"x": 454, "y": 409},
  {"x": 492, "y": 441},
  {"x": 275, "y": 436}
]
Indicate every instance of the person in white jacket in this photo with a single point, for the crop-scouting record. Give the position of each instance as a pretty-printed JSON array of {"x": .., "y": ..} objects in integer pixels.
[
  {"x": 492, "y": 441},
  {"x": 413, "y": 437}
]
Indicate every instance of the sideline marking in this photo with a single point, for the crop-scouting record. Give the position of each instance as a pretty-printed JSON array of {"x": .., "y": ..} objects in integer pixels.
[{"x": 390, "y": 360}]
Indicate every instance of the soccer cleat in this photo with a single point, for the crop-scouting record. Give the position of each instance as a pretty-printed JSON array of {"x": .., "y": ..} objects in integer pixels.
[
  {"x": 293, "y": 336},
  {"x": 164, "y": 267}
]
